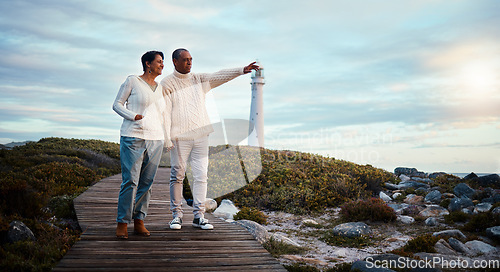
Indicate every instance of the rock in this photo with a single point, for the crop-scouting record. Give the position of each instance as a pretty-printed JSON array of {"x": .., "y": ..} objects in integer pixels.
[
  {"x": 405, "y": 219},
  {"x": 404, "y": 178},
  {"x": 496, "y": 210},
  {"x": 284, "y": 239},
  {"x": 412, "y": 210},
  {"x": 309, "y": 222},
  {"x": 468, "y": 210},
  {"x": 424, "y": 180},
  {"x": 18, "y": 231},
  {"x": 385, "y": 197},
  {"x": 352, "y": 229},
  {"x": 433, "y": 197},
  {"x": 442, "y": 247},
  {"x": 470, "y": 176},
  {"x": 449, "y": 195},
  {"x": 365, "y": 266},
  {"x": 463, "y": 190},
  {"x": 493, "y": 232},
  {"x": 479, "y": 248},
  {"x": 482, "y": 207},
  {"x": 457, "y": 204},
  {"x": 411, "y": 172},
  {"x": 492, "y": 180},
  {"x": 433, "y": 211},
  {"x": 398, "y": 208},
  {"x": 210, "y": 205},
  {"x": 226, "y": 209},
  {"x": 396, "y": 195},
  {"x": 431, "y": 221},
  {"x": 413, "y": 199},
  {"x": 258, "y": 231},
  {"x": 449, "y": 233},
  {"x": 459, "y": 246},
  {"x": 493, "y": 199},
  {"x": 412, "y": 184},
  {"x": 391, "y": 186},
  {"x": 436, "y": 175}
]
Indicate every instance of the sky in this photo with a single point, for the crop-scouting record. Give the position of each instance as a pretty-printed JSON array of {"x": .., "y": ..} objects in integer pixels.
[{"x": 387, "y": 83}]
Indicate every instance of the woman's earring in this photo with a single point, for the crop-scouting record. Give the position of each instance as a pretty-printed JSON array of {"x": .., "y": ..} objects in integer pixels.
[{"x": 150, "y": 71}]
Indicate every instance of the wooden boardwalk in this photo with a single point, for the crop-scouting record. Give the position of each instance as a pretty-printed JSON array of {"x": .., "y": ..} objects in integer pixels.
[{"x": 228, "y": 247}]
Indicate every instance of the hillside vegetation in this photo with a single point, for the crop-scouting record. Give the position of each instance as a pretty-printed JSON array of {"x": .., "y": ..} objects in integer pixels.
[
  {"x": 300, "y": 183},
  {"x": 38, "y": 182}
]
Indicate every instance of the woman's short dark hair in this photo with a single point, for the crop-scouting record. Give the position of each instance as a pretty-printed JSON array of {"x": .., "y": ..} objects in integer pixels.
[{"x": 149, "y": 57}]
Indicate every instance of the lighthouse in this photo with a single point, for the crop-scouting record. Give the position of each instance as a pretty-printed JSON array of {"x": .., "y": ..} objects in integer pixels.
[{"x": 256, "y": 129}]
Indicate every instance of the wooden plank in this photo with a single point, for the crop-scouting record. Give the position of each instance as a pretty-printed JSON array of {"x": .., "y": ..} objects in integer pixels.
[{"x": 228, "y": 247}]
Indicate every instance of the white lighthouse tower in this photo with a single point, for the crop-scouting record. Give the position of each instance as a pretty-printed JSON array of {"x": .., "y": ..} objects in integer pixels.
[{"x": 256, "y": 129}]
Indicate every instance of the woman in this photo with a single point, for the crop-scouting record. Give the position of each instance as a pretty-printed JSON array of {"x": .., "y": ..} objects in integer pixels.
[{"x": 143, "y": 133}]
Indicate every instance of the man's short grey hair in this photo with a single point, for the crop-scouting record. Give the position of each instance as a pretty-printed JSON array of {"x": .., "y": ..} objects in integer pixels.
[{"x": 177, "y": 53}]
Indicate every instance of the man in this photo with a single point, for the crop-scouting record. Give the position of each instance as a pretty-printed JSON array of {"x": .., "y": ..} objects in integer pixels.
[{"x": 190, "y": 127}]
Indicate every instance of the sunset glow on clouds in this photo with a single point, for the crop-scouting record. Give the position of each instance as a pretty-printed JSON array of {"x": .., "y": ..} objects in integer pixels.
[{"x": 389, "y": 83}]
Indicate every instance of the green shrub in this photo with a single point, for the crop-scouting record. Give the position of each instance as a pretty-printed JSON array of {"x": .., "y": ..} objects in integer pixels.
[
  {"x": 445, "y": 203},
  {"x": 342, "y": 241},
  {"x": 481, "y": 221},
  {"x": 373, "y": 209},
  {"x": 302, "y": 183},
  {"x": 456, "y": 216},
  {"x": 251, "y": 214},
  {"x": 423, "y": 243}
]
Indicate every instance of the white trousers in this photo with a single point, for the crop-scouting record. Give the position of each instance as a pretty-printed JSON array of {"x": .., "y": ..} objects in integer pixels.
[{"x": 196, "y": 152}]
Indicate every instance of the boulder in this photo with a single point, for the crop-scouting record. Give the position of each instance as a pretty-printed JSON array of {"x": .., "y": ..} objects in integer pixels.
[
  {"x": 404, "y": 178},
  {"x": 457, "y": 204},
  {"x": 352, "y": 229},
  {"x": 226, "y": 209},
  {"x": 210, "y": 205},
  {"x": 459, "y": 246},
  {"x": 463, "y": 190},
  {"x": 396, "y": 195},
  {"x": 449, "y": 233},
  {"x": 449, "y": 195},
  {"x": 431, "y": 221},
  {"x": 309, "y": 222},
  {"x": 470, "y": 176},
  {"x": 284, "y": 239},
  {"x": 482, "y": 207},
  {"x": 468, "y": 210},
  {"x": 398, "y": 208},
  {"x": 442, "y": 247},
  {"x": 493, "y": 199},
  {"x": 433, "y": 211},
  {"x": 412, "y": 184},
  {"x": 496, "y": 210},
  {"x": 493, "y": 232},
  {"x": 413, "y": 199},
  {"x": 391, "y": 186},
  {"x": 424, "y": 180},
  {"x": 492, "y": 180},
  {"x": 411, "y": 172},
  {"x": 258, "y": 231},
  {"x": 478, "y": 247},
  {"x": 433, "y": 197},
  {"x": 405, "y": 219},
  {"x": 18, "y": 231},
  {"x": 385, "y": 197},
  {"x": 436, "y": 175}
]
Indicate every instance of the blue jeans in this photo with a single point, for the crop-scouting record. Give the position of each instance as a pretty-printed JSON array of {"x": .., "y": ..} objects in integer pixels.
[{"x": 139, "y": 160}]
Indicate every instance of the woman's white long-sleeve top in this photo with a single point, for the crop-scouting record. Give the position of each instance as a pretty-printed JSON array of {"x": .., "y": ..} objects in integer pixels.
[{"x": 136, "y": 97}]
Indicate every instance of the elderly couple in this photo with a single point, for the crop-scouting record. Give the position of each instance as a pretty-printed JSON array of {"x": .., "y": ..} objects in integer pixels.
[{"x": 170, "y": 114}]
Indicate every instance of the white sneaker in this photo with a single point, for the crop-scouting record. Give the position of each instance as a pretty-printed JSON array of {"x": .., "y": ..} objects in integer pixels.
[
  {"x": 176, "y": 224},
  {"x": 202, "y": 223}
]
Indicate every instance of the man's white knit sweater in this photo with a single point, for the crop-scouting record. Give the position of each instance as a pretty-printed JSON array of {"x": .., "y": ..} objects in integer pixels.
[{"x": 189, "y": 117}]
